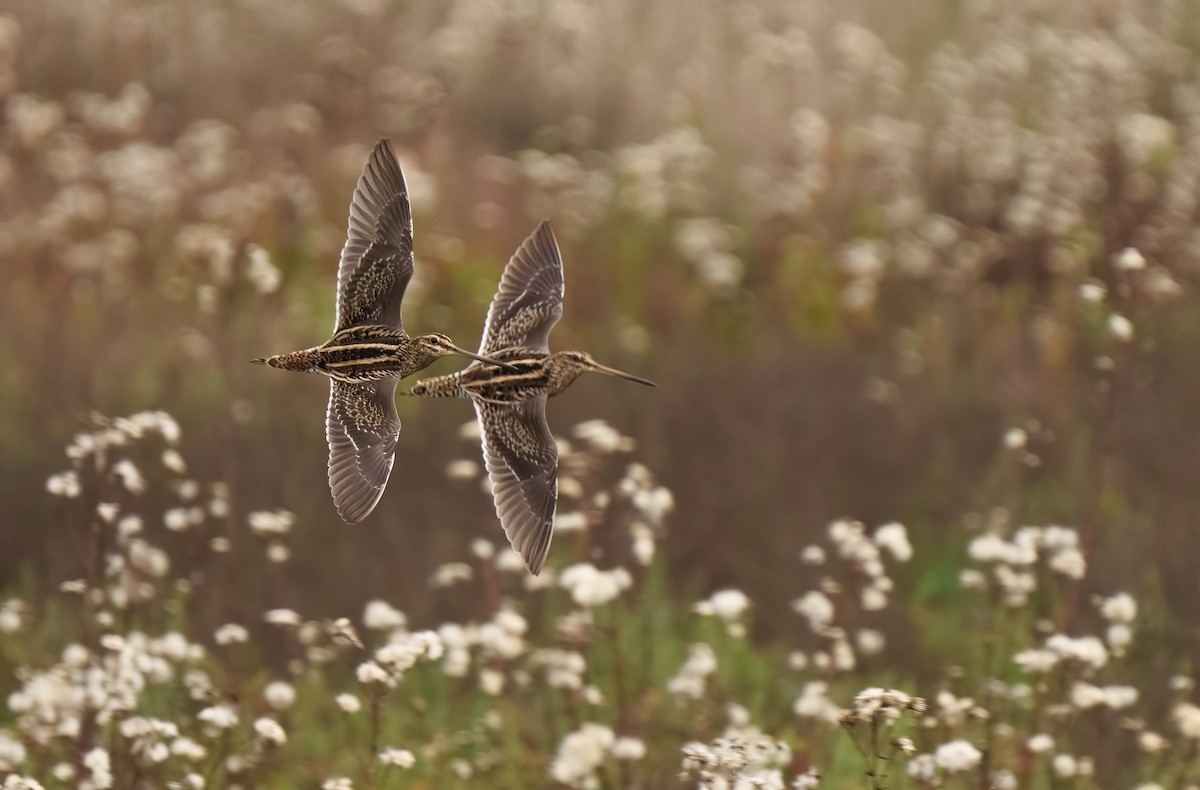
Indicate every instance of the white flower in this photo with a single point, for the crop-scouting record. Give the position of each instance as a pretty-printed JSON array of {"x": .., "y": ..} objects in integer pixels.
[
  {"x": 12, "y": 752},
  {"x": 971, "y": 579},
  {"x": 870, "y": 642},
  {"x": 271, "y": 523},
  {"x": 814, "y": 703},
  {"x": 894, "y": 539},
  {"x": 401, "y": 758},
  {"x": 97, "y": 761},
  {"x": 580, "y": 754},
  {"x": 816, "y": 607},
  {"x": 1015, "y": 438},
  {"x": 1085, "y": 649},
  {"x": 382, "y": 616},
  {"x": 1152, "y": 742},
  {"x": 1120, "y": 327},
  {"x": 281, "y": 617},
  {"x": 591, "y": 587},
  {"x": 348, "y": 703},
  {"x": 337, "y": 783},
  {"x": 1187, "y": 719},
  {"x": 1119, "y": 608},
  {"x": 726, "y": 604},
  {"x": 1092, "y": 292},
  {"x": 259, "y": 269},
  {"x": 370, "y": 672},
  {"x": 451, "y": 573},
  {"x": 1065, "y": 765},
  {"x": 1040, "y": 743},
  {"x": 813, "y": 555},
  {"x": 626, "y": 748},
  {"x": 463, "y": 469},
  {"x": 173, "y": 461},
  {"x": 221, "y": 717},
  {"x": 873, "y": 598},
  {"x": 231, "y": 633},
  {"x": 1069, "y": 562},
  {"x": 12, "y": 616},
  {"x": 689, "y": 681},
  {"x": 270, "y": 731},
  {"x": 956, "y": 756},
  {"x": 1036, "y": 660},
  {"x": 279, "y": 695},
  {"x": 14, "y": 782},
  {"x": 187, "y": 749},
  {"x": 1129, "y": 259},
  {"x": 491, "y": 681}
]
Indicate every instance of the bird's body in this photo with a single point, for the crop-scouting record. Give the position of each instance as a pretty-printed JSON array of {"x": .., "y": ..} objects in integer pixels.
[
  {"x": 510, "y": 400},
  {"x": 365, "y": 353},
  {"x": 369, "y": 351},
  {"x": 532, "y": 372}
]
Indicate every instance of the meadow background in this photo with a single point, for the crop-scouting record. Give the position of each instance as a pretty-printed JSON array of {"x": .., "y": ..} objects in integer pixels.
[{"x": 916, "y": 282}]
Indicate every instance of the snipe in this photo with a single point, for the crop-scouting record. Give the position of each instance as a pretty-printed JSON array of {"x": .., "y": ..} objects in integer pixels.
[
  {"x": 518, "y": 448},
  {"x": 369, "y": 351}
]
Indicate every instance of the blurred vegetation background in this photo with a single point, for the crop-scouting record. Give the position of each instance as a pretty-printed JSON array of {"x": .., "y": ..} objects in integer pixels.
[{"x": 912, "y": 261}]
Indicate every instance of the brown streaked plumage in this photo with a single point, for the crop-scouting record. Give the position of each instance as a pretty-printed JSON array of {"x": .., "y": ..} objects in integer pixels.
[
  {"x": 518, "y": 448},
  {"x": 369, "y": 351}
]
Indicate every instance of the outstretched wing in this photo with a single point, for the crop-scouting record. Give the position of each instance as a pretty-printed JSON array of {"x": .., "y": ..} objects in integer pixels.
[
  {"x": 528, "y": 302},
  {"x": 377, "y": 259},
  {"x": 362, "y": 427},
  {"x": 522, "y": 462}
]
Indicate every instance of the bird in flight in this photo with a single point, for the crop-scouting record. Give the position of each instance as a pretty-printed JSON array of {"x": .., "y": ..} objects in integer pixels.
[
  {"x": 369, "y": 351},
  {"x": 518, "y": 448}
]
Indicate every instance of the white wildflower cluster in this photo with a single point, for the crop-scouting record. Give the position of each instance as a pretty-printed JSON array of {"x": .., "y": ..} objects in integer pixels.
[
  {"x": 12, "y": 616},
  {"x": 667, "y": 173},
  {"x": 1086, "y": 651},
  {"x": 814, "y": 703},
  {"x": 689, "y": 682},
  {"x": 273, "y": 526},
  {"x": 381, "y": 616},
  {"x": 54, "y": 703},
  {"x": 1120, "y": 611},
  {"x": 401, "y": 653},
  {"x": 876, "y": 704},
  {"x": 706, "y": 244},
  {"x": 863, "y": 556},
  {"x": 580, "y": 754},
  {"x": 591, "y": 587},
  {"x": 451, "y": 573},
  {"x": 742, "y": 758},
  {"x": 728, "y": 606},
  {"x": 872, "y": 719},
  {"x": 563, "y": 668},
  {"x": 652, "y": 503},
  {"x": 1013, "y": 561}
]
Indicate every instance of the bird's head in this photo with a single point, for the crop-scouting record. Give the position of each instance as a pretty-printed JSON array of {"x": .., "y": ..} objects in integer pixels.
[
  {"x": 581, "y": 361},
  {"x": 438, "y": 345}
]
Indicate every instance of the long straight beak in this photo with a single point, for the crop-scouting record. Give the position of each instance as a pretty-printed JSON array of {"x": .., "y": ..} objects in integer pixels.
[
  {"x": 621, "y": 374},
  {"x": 482, "y": 358}
]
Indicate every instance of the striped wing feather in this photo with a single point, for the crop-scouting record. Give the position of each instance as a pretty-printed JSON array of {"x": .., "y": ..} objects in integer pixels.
[
  {"x": 528, "y": 302},
  {"x": 362, "y": 427},
  {"x": 377, "y": 259},
  {"x": 522, "y": 463}
]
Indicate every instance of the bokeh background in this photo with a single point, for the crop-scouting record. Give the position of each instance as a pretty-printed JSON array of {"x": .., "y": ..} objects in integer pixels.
[{"x": 914, "y": 261}]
